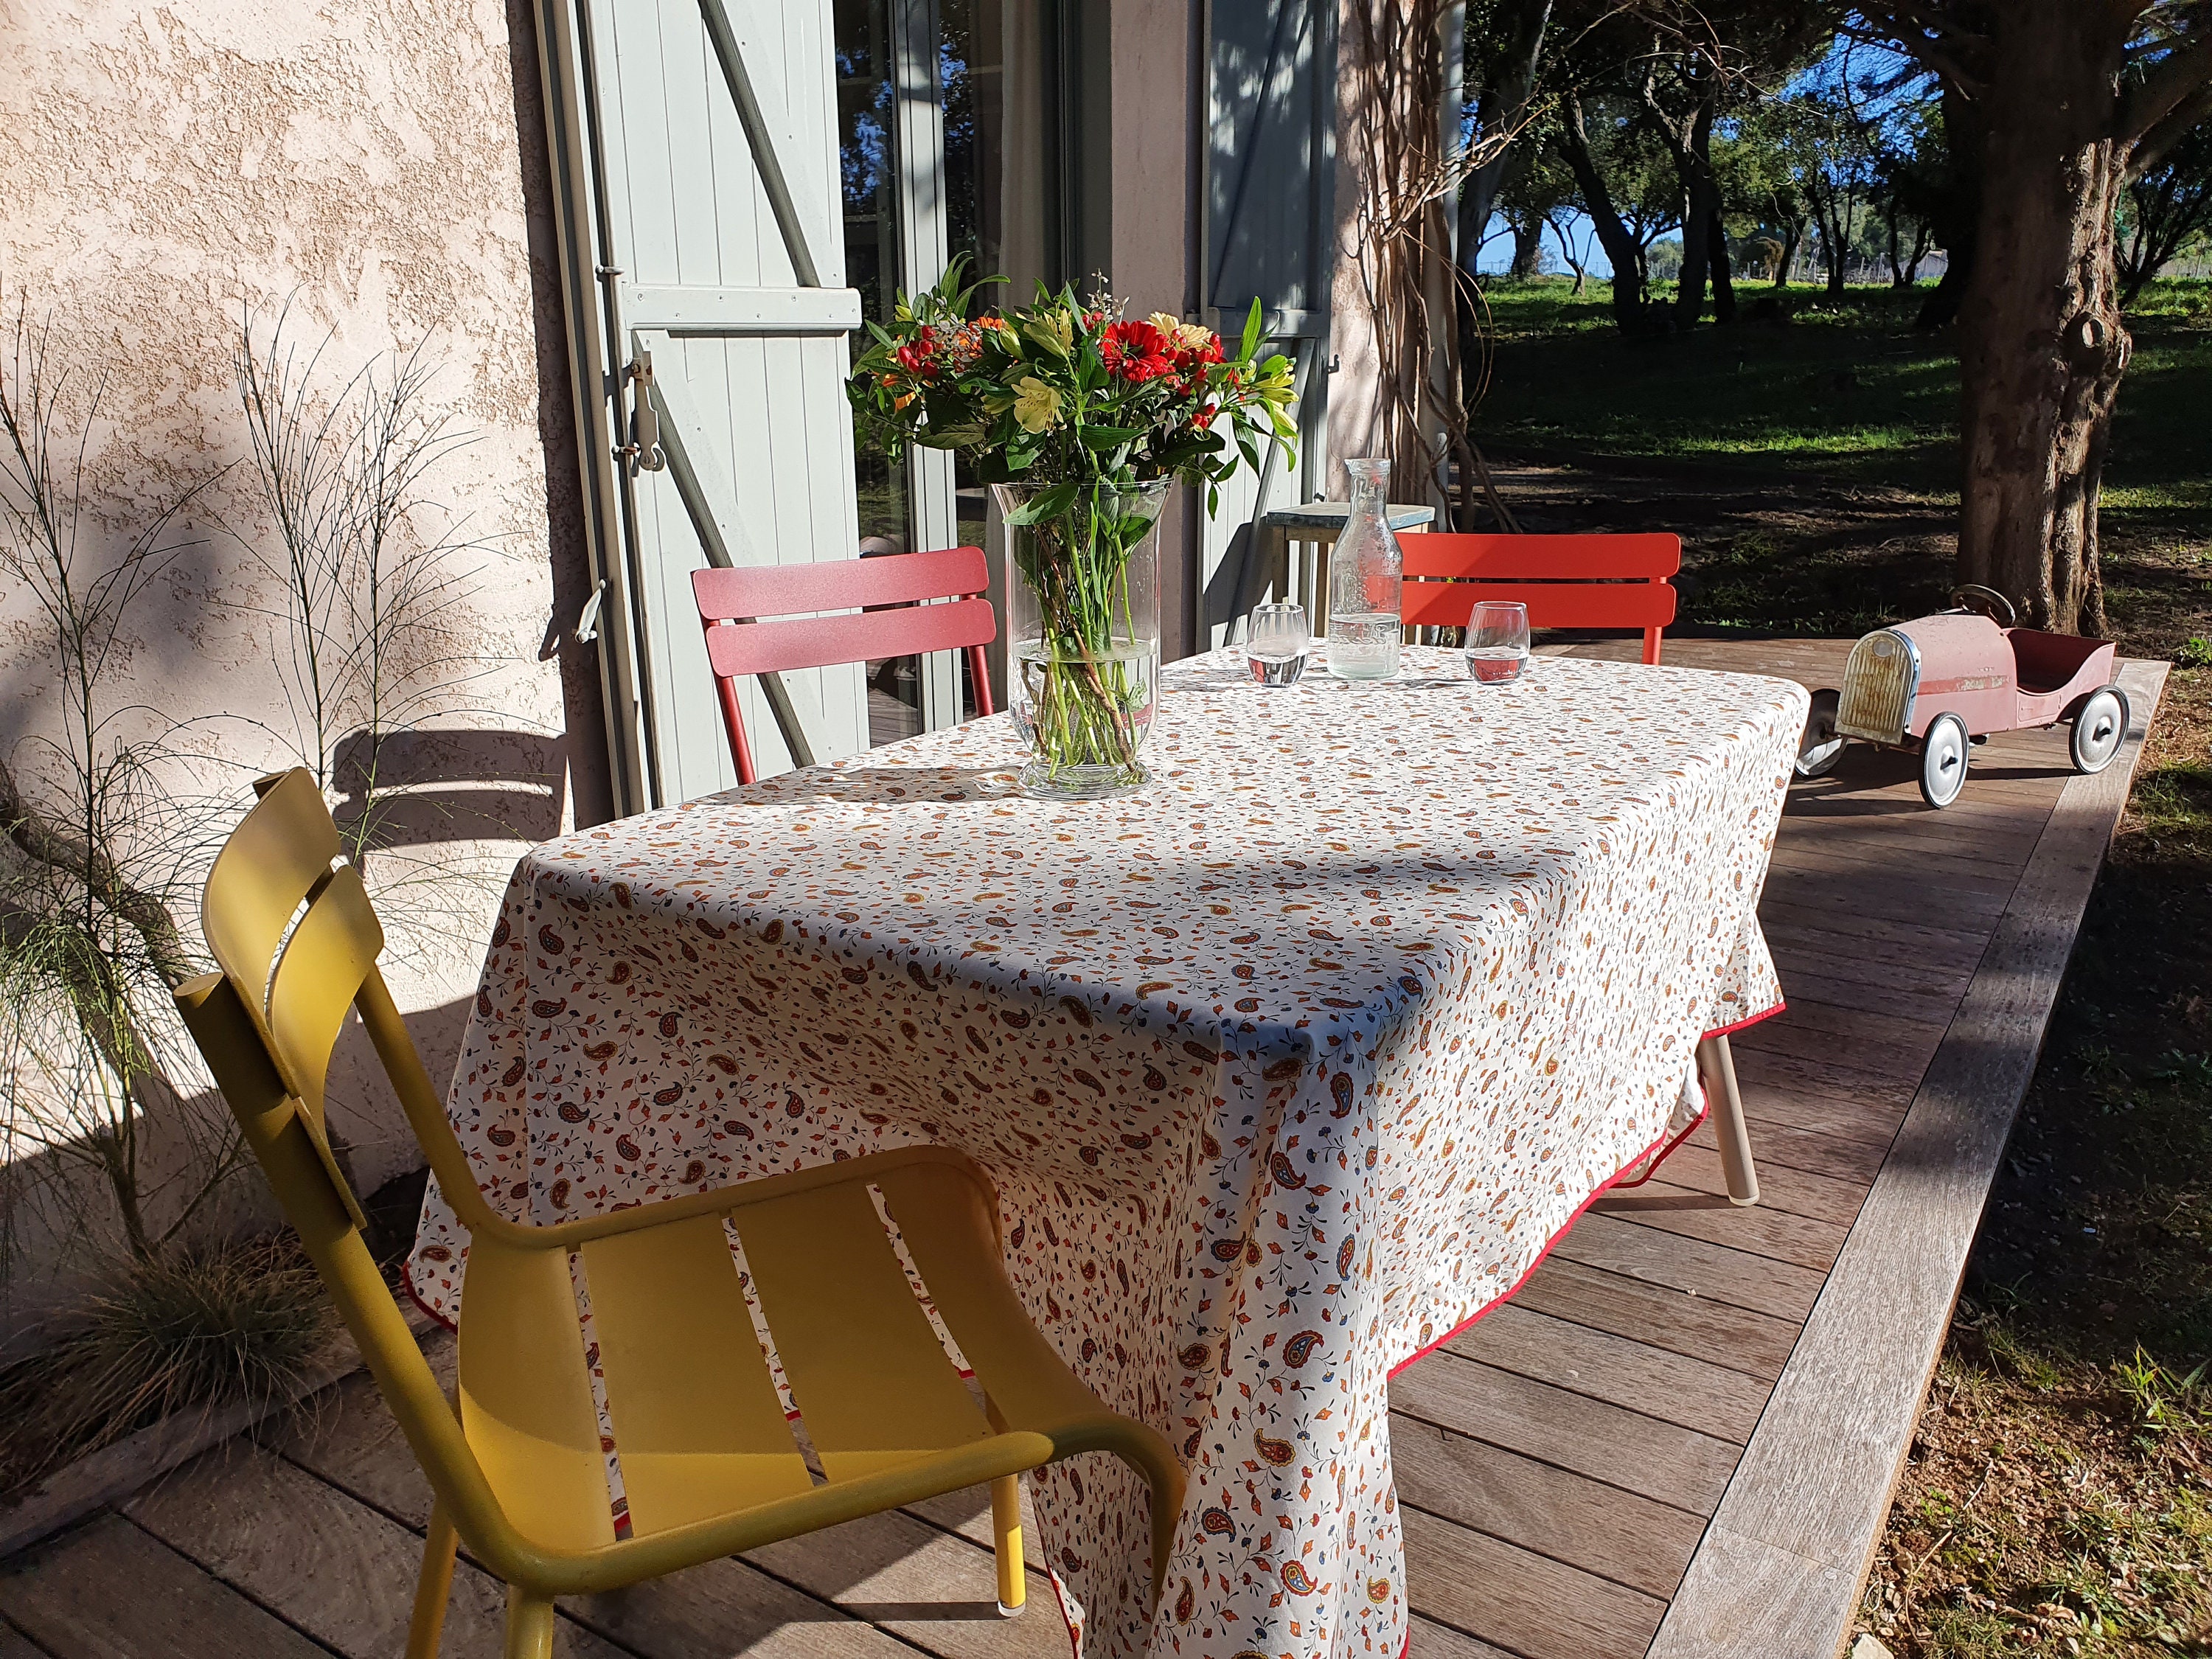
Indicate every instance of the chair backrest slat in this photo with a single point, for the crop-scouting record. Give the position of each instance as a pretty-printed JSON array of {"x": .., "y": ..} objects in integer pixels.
[
  {"x": 786, "y": 590},
  {"x": 765, "y": 619},
  {"x": 1551, "y": 605},
  {"x": 771, "y": 648},
  {"x": 261, "y": 876},
  {"x": 1643, "y": 556},
  {"x": 1566, "y": 581}
]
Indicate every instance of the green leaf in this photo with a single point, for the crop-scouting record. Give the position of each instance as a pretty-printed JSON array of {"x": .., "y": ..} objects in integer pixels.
[
  {"x": 1251, "y": 333},
  {"x": 1108, "y": 437},
  {"x": 1049, "y": 504}
]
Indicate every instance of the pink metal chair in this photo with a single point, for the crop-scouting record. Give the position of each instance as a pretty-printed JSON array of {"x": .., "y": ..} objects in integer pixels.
[{"x": 757, "y": 622}]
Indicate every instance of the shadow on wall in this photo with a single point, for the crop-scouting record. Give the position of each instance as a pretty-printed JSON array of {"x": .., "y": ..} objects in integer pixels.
[
  {"x": 429, "y": 788},
  {"x": 63, "y": 1216}
]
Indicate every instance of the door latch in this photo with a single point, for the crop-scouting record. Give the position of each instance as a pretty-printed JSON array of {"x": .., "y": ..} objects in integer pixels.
[{"x": 643, "y": 450}]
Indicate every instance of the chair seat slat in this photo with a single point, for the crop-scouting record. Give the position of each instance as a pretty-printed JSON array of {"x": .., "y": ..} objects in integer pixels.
[
  {"x": 526, "y": 1397},
  {"x": 698, "y": 1428},
  {"x": 949, "y": 1231},
  {"x": 872, "y": 1381}
]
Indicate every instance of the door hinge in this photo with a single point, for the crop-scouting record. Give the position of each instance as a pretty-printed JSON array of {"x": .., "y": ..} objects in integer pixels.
[
  {"x": 643, "y": 450},
  {"x": 587, "y": 619}
]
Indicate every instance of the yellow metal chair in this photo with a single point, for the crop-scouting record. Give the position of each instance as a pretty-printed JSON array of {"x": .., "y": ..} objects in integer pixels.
[{"x": 707, "y": 1458}]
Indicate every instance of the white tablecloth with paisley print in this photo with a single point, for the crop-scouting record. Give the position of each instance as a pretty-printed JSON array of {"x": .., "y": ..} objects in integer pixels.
[{"x": 1286, "y": 1064}]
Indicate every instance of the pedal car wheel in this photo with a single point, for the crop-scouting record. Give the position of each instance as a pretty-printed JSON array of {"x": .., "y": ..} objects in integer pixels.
[
  {"x": 2098, "y": 729},
  {"x": 1820, "y": 749},
  {"x": 1943, "y": 754}
]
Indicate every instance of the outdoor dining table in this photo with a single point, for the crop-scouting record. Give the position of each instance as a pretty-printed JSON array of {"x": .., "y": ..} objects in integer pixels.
[{"x": 1287, "y": 1065}]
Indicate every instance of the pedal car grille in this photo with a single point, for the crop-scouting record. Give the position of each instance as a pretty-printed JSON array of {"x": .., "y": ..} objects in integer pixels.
[{"x": 1879, "y": 683}]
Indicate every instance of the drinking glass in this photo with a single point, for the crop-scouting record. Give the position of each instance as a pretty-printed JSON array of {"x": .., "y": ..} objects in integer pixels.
[
  {"x": 1275, "y": 643},
  {"x": 1496, "y": 641}
]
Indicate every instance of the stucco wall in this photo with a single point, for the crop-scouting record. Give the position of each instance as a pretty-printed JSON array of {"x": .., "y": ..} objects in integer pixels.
[{"x": 378, "y": 165}]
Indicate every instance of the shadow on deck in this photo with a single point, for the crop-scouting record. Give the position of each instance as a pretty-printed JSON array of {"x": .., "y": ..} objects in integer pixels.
[{"x": 1679, "y": 1438}]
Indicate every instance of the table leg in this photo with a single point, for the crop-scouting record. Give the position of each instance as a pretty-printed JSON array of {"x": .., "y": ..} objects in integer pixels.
[{"x": 1716, "y": 1065}]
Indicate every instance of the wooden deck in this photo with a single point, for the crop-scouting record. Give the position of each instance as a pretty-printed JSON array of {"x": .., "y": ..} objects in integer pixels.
[{"x": 1679, "y": 1439}]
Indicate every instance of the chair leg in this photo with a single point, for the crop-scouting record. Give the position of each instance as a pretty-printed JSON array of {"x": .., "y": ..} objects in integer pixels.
[
  {"x": 529, "y": 1625},
  {"x": 1006, "y": 1537},
  {"x": 1716, "y": 1065},
  {"x": 435, "y": 1588}
]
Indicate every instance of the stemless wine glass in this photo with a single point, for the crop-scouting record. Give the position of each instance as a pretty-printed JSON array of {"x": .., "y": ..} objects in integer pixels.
[
  {"x": 1496, "y": 641},
  {"x": 1275, "y": 643}
]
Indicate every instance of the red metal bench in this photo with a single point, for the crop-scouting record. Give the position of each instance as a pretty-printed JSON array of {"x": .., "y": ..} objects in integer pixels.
[
  {"x": 1566, "y": 581},
  {"x": 756, "y": 621}
]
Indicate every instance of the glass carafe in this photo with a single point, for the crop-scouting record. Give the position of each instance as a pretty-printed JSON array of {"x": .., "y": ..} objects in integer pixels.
[{"x": 1366, "y": 576}]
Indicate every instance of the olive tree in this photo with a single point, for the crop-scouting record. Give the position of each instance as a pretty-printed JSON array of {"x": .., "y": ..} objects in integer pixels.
[{"x": 2072, "y": 99}]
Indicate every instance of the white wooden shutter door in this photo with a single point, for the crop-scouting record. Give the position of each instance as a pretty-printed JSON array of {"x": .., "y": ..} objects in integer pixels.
[
  {"x": 716, "y": 223},
  {"x": 1268, "y": 203}
]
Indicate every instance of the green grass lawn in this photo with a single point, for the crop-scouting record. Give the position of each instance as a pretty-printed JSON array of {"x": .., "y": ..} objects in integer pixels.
[{"x": 1851, "y": 393}]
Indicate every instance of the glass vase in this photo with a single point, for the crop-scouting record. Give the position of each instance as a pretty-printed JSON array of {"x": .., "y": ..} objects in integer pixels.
[
  {"x": 1366, "y": 577},
  {"x": 1083, "y": 632}
]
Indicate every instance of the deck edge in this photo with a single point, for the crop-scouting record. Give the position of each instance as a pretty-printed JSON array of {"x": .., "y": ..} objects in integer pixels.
[{"x": 1779, "y": 1572}]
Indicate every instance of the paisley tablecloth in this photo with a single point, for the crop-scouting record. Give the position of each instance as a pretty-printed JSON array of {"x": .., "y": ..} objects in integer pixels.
[{"x": 1285, "y": 1066}]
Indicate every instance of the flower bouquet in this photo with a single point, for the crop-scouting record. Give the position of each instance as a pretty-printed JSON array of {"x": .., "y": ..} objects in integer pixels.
[{"x": 1080, "y": 419}]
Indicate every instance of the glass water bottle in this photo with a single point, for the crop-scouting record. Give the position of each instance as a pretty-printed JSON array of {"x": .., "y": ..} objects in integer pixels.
[{"x": 1366, "y": 575}]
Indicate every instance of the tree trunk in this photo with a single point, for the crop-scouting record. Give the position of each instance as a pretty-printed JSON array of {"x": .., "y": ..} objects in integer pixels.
[
  {"x": 1503, "y": 107},
  {"x": 1791, "y": 237},
  {"x": 1958, "y": 210},
  {"x": 1621, "y": 249},
  {"x": 2041, "y": 345},
  {"x": 1694, "y": 159},
  {"x": 1923, "y": 235},
  {"x": 1716, "y": 258},
  {"x": 1527, "y": 245}
]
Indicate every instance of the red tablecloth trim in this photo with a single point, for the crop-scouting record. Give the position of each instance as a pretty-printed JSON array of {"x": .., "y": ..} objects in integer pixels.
[
  {"x": 1653, "y": 1153},
  {"x": 407, "y": 1279}
]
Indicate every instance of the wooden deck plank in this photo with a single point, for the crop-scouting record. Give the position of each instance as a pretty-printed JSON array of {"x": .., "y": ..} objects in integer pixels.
[
  {"x": 1782, "y": 1143},
  {"x": 1534, "y": 1606},
  {"x": 1429, "y": 1640},
  {"x": 1822, "y": 987},
  {"x": 1550, "y": 1511},
  {"x": 1917, "y": 941},
  {"x": 1917, "y": 1033},
  {"x": 110, "y": 1591},
  {"x": 1855, "y": 1061},
  {"x": 1756, "y": 1344},
  {"x": 931, "y": 1589},
  {"x": 1795, "y": 1532},
  {"x": 1689, "y": 1393},
  {"x": 1609, "y": 1443},
  {"x": 341, "y": 1571},
  {"x": 1824, "y": 1093},
  {"x": 1735, "y": 1277},
  {"x": 1759, "y": 1229},
  {"x": 1695, "y": 1166}
]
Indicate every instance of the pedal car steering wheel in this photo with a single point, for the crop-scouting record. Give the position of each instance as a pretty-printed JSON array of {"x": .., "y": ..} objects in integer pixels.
[{"x": 1987, "y": 601}]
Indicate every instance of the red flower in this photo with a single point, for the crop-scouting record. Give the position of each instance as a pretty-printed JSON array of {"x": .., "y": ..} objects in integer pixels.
[{"x": 1136, "y": 351}]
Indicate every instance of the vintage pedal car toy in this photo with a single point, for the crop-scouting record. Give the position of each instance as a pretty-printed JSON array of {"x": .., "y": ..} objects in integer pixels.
[{"x": 1943, "y": 683}]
